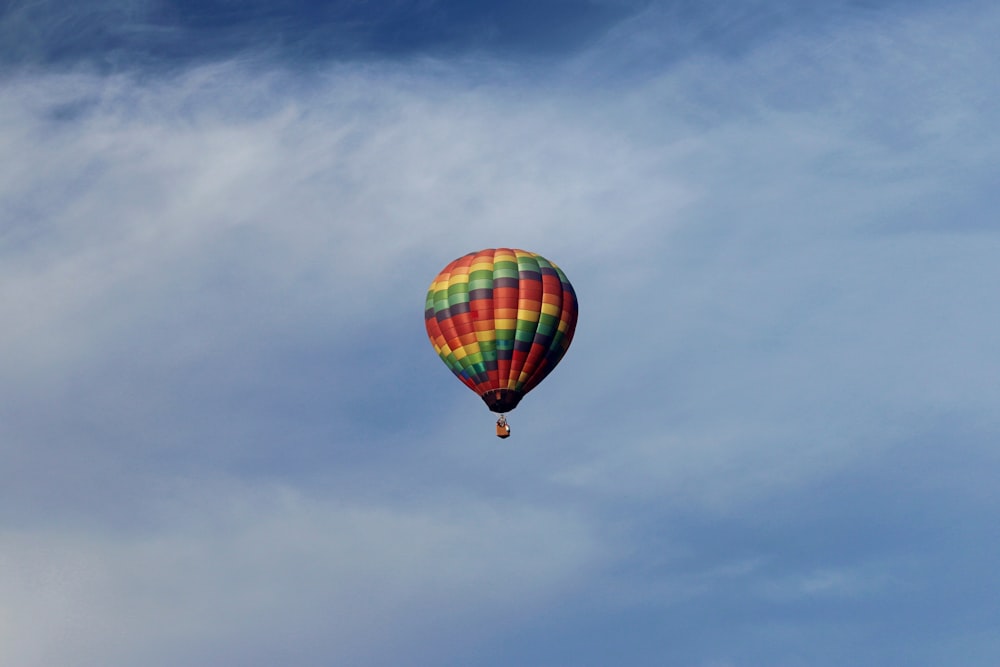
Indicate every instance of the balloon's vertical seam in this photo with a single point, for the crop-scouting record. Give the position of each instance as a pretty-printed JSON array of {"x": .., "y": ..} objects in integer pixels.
[
  {"x": 528, "y": 304},
  {"x": 483, "y": 317},
  {"x": 537, "y": 364},
  {"x": 505, "y": 283},
  {"x": 459, "y": 317}
]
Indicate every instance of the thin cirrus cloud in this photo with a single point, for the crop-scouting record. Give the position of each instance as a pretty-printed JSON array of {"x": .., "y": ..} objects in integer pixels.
[{"x": 771, "y": 439}]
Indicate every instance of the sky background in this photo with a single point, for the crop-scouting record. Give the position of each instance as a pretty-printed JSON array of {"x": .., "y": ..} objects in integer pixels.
[{"x": 226, "y": 440}]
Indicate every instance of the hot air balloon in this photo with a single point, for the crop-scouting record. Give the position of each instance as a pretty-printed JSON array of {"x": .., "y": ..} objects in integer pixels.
[{"x": 501, "y": 319}]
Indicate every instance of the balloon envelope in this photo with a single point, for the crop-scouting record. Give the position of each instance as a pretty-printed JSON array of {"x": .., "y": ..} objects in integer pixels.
[{"x": 501, "y": 319}]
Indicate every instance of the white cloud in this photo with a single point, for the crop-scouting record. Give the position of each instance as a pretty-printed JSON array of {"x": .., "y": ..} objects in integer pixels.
[
  {"x": 243, "y": 575},
  {"x": 153, "y": 191}
]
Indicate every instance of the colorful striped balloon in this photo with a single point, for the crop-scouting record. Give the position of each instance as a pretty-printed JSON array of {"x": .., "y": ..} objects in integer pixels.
[{"x": 501, "y": 319}]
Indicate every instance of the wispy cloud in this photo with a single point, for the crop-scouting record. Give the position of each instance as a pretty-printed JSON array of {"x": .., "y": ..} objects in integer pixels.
[{"x": 256, "y": 574}]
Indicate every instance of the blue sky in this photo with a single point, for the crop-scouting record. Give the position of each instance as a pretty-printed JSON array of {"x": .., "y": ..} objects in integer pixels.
[{"x": 225, "y": 439}]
